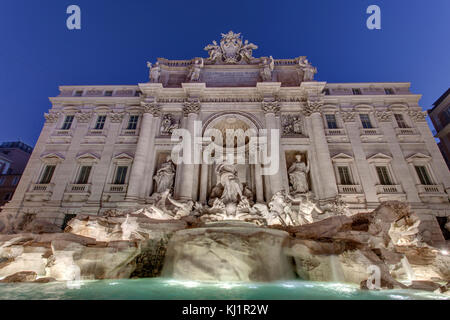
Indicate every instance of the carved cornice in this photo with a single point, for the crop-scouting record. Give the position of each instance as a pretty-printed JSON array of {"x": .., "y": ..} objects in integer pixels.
[
  {"x": 151, "y": 107},
  {"x": 116, "y": 117},
  {"x": 270, "y": 107},
  {"x": 312, "y": 107},
  {"x": 383, "y": 116},
  {"x": 417, "y": 116},
  {"x": 83, "y": 117},
  {"x": 348, "y": 116},
  {"x": 51, "y": 117},
  {"x": 193, "y": 106}
]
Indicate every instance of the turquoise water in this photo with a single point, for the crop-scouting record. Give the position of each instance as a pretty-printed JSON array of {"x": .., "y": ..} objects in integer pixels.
[{"x": 160, "y": 288}]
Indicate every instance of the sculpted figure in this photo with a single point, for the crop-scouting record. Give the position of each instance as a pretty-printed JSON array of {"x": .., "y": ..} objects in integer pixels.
[
  {"x": 298, "y": 173},
  {"x": 168, "y": 124},
  {"x": 165, "y": 175},
  {"x": 183, "y": 209},
  {"x": 214, "y": 51},
  {"x": 227, "y": 176},
  {"x": 280, "y": 210},
  {"x": 247, "y": 51},
  {"x": 268, "y": 65},
  {"x": 305, "y": 210},
  {"x": 196, "y": 68},
  {"x": 308, "y": 69},
  {"x": 155, "y": 72}
]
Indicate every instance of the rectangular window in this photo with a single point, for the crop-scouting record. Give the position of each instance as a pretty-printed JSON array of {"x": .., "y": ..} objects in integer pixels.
[
  {"x": 356, "y": 91},
  {"x": 121, "y": 174},
  {"x": 331, "y": 121},
  {"x": 326, "y": 91},
  {"x": 47, "y": 174},
  {"x": 137, "y": 93},
  {"x": 423, "y": 175},
  {"x": 383, "y": 175},
  {"x": 108, "y": 93},
  {"x": 78, "y": 93},
  {"x": 67, "y": 123},
  {"x": 132, "y": 122},
  {"x": 83, "y": 176},
  {"x": 365, "y": 121},
  {"x": 344, "y": 175},
  {"x": 388, "y": 91},
  {"x": 100, "y": 122},
  {"x": 400, "y": 120}
]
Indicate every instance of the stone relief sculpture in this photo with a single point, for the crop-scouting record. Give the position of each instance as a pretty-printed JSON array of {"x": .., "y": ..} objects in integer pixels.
[
  {"x": 306, "y": 207},
  {"x": 308, "y": 69},
  {"x": 268, "y": 65},
  {"x": 154, "y": 72},
  {"x": 168, "y": 124},
  {"x": 298, "y": 175},
  {"x": 231, "y": 49},
  {"x": 291, "y": 124},
  {"x": 227, "y": 177},
  {"x": 165, "y": 176},
  {"x": 195, "y": 70}
]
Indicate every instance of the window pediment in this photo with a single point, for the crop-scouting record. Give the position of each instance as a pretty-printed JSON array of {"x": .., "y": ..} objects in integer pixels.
[
  {"x": 87, "y": 157},
  {"x": 418, "y": 157},
  {"x": 379, "y": 157},
  {"x": 123, "y": 157},
  {"x": 342, "y": 157},
  {"x": 52, "y": 157}
]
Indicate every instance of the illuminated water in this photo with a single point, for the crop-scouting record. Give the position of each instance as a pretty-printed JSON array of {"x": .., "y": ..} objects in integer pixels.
[{"x": 159, "y": 288}]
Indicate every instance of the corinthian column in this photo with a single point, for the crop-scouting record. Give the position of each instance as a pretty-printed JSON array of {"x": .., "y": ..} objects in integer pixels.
[
  {"x": 271, "y": 109},
  {"x": 188, "y": 182},
  {"x": 146, "y": 140},
  {"x": 327, "y": 180}
]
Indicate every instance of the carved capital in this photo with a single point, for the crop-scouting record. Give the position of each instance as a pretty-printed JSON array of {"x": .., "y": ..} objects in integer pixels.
[
  {"x": 83, "y": 117},
  {"x": 383, "y": 116},
  {"x": 348, "y": 116},
  {"x": 312, "y": 107},
  {"x": 270, "y": 107},
  {"x": 116, "y": 117},
  {"x": 417, "y": 116},
  {"x": 51, "y": 117},
  {"x": 151, "y": 107},
  {"x": 191, "y": 107}
]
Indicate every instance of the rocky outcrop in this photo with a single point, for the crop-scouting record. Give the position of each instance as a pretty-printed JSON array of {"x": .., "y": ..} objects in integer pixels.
[{"x": 228, "y": 252}]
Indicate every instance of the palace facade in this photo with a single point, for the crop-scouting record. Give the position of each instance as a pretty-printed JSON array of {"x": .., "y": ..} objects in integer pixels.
[{"x": 102, "y": 146}]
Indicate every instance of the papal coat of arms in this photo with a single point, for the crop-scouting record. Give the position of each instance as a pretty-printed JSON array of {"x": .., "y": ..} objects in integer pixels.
[{"x": 231, "y": 49}]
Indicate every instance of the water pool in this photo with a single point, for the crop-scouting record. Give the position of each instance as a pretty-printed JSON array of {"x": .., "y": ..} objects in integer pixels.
[{"x": 162, "y": 289}]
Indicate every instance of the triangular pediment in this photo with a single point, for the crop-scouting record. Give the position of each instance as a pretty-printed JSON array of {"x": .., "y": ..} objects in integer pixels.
[
  {"x": 88, "y": 156},
  {"x": 123, "y": 156},
  {"x": 342, "y": 156},
  {"x": 418, "y": 156},
  {"x": 380, "y": 157},
  {"x": 52, "y": 156}
]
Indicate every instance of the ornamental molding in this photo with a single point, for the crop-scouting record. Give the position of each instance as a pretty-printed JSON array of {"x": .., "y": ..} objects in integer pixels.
[
  {"x": 383, "y": 116},
  {"x": 193, "y": 106},
  {"x": 116, "y": 117},
  {"x": 83, "y": 117},
  {"x": 151, "y": 107},
  {"x": 418, "y": 116},
  {"x": 51, "y": 117},
  {"x": 348, "y": 116},
  {"x": 312, "y": 107},
  {"x": 270, "y": 107},
  {"x": 292, "y": 124}
]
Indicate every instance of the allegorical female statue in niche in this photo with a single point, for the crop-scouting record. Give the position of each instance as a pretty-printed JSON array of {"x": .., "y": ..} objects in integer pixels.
[
  {"x": 298, "y": 175},
  {"x": 165, "y": 176}
]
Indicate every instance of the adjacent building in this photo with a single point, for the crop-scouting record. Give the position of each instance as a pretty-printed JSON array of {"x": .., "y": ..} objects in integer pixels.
[
  {"x": 440, "y": 117},
  {"x": 13, "y": 160},
  {"x": 366, "y": 143}
]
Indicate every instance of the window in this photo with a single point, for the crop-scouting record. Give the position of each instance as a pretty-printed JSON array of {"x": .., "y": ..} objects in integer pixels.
[
  {"x": 137, "y": 93},
  {"x": 15, "y": 181},
  {"x": 132, "y": 122},
  {"x": 326, "y": 91},
  {"x": 67, "y": 123},
  {"x": 121, "y": 174},
  {"x": 356, "y": 91},
  {"x": 100, "y": 122},
  {"x": 78, "y": 93},
  {"x": 383, "y": 175},
  {"x": 2, "y": 180},
  {"x": 83, "y": 176},
  {"x": 331, "y": 121},
  {"x": 7, "y": 197},
  {"x": 47, "y": 174},
  {"x": 365, "y": 121},
  {"x": 400, "y": 120},
  {"x": 423, "y": 175},
  {"x": 388, "y": 91},
  {"x": 344, "y": 175},
  {"x": 108, "y": 93}
]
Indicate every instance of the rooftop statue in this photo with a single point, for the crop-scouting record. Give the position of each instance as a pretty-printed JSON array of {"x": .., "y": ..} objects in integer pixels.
[
  {"x": 154, "y": 72},
  {"x": 231, "y": 49}
]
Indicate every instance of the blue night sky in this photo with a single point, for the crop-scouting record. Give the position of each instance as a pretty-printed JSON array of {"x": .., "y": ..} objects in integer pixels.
[{"x": 38, "y": 53}]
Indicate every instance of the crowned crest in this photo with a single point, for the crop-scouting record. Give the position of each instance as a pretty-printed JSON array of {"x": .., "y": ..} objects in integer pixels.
[{"x": 231, "y": 50}]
